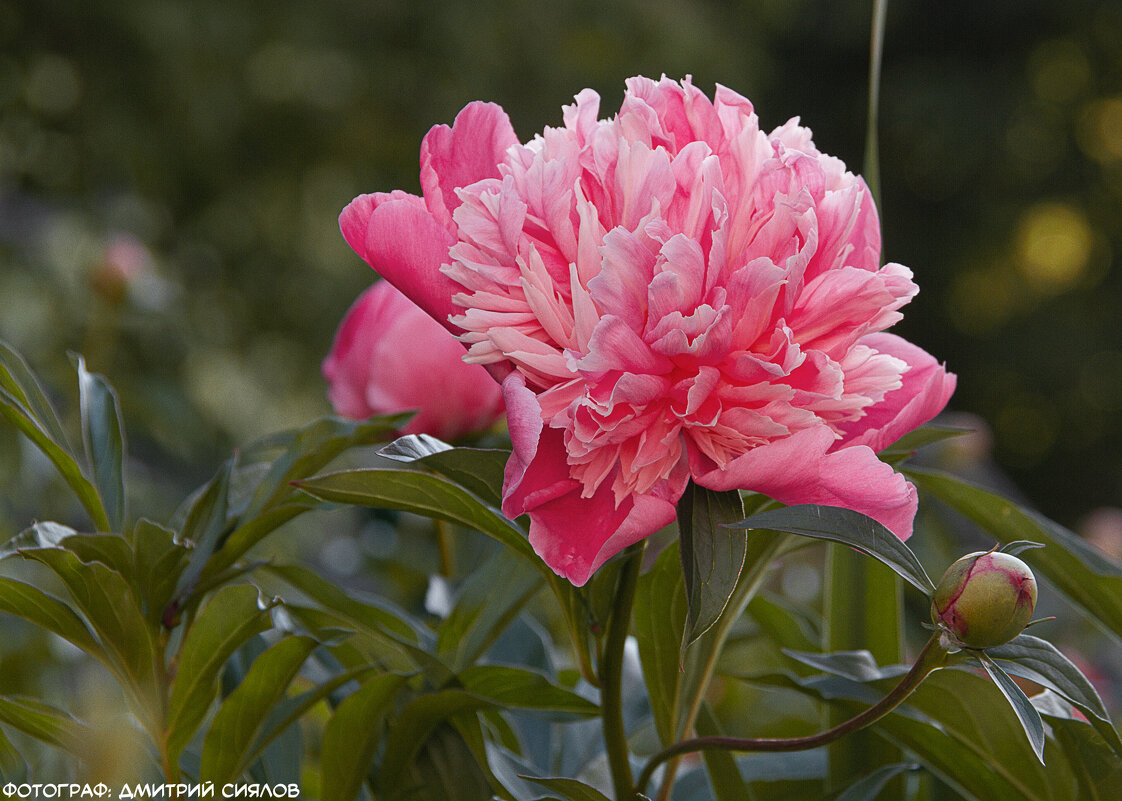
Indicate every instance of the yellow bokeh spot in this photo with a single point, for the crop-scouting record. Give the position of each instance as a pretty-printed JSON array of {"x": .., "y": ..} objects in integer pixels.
[
  {"x": 1054, "y": 244},
  {"x": 1099, "y": 129}
]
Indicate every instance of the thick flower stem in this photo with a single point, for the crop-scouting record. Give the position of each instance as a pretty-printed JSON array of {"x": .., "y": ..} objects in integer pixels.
[
  {"x": 931, "y": 658},
  {"x": 611, "y": 676}
]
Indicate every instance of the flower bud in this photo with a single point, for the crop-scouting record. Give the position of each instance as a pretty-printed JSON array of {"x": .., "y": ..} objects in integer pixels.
[{"x": 984, "y": 599}]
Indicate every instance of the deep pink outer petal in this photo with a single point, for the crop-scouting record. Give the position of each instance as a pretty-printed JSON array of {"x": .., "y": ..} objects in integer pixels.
[
  {"x": 927, "y": 387},
  {"x": 469, "y": 151},
  {"x": 801, "y": 469},
  {"x": 397, "y": 236},
  {"x": 573, "y": 535}
]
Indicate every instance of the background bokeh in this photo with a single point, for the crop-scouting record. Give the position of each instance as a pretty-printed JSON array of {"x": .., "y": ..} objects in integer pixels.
[{"x": 171, "y": 173}]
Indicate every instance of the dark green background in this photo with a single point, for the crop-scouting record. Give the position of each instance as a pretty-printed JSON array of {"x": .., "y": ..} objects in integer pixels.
[{"x": 226, "y": 135}]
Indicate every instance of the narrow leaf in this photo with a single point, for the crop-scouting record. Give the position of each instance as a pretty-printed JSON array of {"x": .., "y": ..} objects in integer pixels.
[
  {"x": 849, "y": 528},
  {"x": 21, "y": 385},
  {"x": 1026, "y": 712},
  {"x": 569, "y": 788},
  {"x": 908, "y": 444},
  {"x": 48, "y": 613},
  {"x": 659, "y": 620},
  {"x": 231, "y": 617},
  {"x": 204, "y": 526},
  {"x": 158, "y": 563},
  {"x": 414, "y": 725},
  {"x": 1040, "y": 661},
  {"x": 423, "y": 494},
  {"x": 103, "y": 434},
  {"x": 477, "y": 470},
  {"x": 109, "y": 605},
  {"x": 492, "y": 596},
  {"x": 310, "y": 449},
  {"x": 352, "y": 737},
  {"x": 522, "y": 689},
  {"x": 60, "y": 457},
  {"x": 238, "y": 723},
  {"x": 868, "y": 787},
  {"x": 45, "y": 723},
  {"x": 712, "y": 554}
]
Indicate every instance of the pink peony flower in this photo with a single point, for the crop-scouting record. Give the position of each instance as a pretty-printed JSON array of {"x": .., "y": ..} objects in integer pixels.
[
  {"x": 389, "y": 356},
  {"x": 666, "y": 295}
]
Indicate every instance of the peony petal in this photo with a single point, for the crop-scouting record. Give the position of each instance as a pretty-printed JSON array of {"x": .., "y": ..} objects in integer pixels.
[
  {"x": 396, "y": 235},
  {"x": 802, "y": 469},
  {"x": 575, "y": 535},
  {"x": 469, "y": 151},
  {"x": 927, "y": 386}
]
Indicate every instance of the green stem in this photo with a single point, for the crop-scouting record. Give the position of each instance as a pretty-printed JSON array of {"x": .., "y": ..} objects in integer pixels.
[
  {"x": 611, "y": 675},
  {"x": 931, "y": 658},
  {"x": 444, "y": 545},
  {"x": 876, "y": 49}
]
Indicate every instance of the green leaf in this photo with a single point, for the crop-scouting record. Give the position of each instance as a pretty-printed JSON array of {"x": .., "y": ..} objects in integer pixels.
[
  {"x": 491, "y": 597},
  {"x": 522, "y": 689},
  {"x": 351, "y": 737},
  {"x": 477, "y": 470},
  {"x": 868, "y": 787},
  {"x": 13, "y": 767},
  {"x": 107, "y": 602},
  {"x": 447, "y": 769},
  {"x": 849, "y": 528},
  {"x": 1097, "y": 767},
  {"x": 231, "y": 617},
  {"x": 855, "y": 665},
  {"x": 249, "y": 533},
  {"x": 659, "y": 620},
  {"x": 784, "y": 623},
  {"x": 371, "y": 613},
  {"x": 103, "y": 434},
  {"x": 1025, "y": 711},
  {"x": 927, "y": 434},
  {"x": 228, "y": 746},
  {"x": 158, "y": 563},
  {"x": 60, "y": 457},
  {"x": 48, "y": 613},
  {"x": 423, "y": 494},
  {"x": 45, "y": 723},
  {"x": 25, "y": 391},
  {"x": 960, "y": 727},
  {"x": 1081, "y": 573},
  {"x": 414, "y": 725},
  {"x": 310, "y": 449},
  {"x": 204, "y": 526},
  {"x": 568, "y": 788},
  {"x": 111, "y": 550},
  {"x": 1040, "y": 661},
  {"x": 712, "y": 554}
]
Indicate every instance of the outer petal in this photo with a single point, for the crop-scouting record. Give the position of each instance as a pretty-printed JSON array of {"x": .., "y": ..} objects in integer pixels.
[
  {"x": 927, "y": 387},
  {"x": 801, "y": 469},
  {"x": 397, "y": 236},
  {"x": 455, "y": 157},
  {"x": 389, "y": 356},
  {"x": 573, "y": 535}
]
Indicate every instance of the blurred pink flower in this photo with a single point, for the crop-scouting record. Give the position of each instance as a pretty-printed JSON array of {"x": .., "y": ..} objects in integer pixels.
[
  {"x": 389, "y": 356},
  {"x": 666, "y": 295}
]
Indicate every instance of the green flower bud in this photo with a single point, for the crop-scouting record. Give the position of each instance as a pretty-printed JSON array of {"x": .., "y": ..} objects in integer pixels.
[{"x": 984, "y": 599}]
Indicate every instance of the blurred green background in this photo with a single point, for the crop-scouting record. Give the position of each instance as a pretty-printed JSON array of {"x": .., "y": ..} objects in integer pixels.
[{"x": 171, "y": 173}]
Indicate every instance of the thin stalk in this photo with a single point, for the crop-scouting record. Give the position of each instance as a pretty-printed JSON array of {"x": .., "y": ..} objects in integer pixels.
[
  {"x": 931, "y": 658},
  {"x": 444, "y": 545},
  {"x": 762, "y": 551},
  {"x": 876, "y": 50},
  {"x": 611, "y": 675}
]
